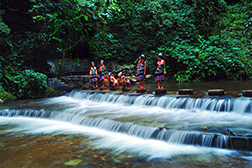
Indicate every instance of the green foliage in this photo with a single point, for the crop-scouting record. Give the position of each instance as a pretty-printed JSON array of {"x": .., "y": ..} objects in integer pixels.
[
  {"x": 200, "y": 39},
  {"x": 194, "y": 36},
  {"x": 28, "y": 84},
  {"x": 6, "y": 96}
]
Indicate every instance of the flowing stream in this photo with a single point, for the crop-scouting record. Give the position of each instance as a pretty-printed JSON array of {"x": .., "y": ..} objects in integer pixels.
[{"x": 143, "y": 125}]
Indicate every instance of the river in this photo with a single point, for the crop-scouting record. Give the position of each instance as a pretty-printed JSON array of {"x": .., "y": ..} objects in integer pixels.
[{"x": 114, "y": 129}]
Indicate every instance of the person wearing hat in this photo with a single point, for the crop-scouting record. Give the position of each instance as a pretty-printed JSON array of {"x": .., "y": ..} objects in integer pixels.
[
  {"x": 101, "y": 73},
  {"x": 124, "y": 81},
  {"x": 141, "y": 70},
  {"x": 93, "y": 75},
  {"x": 112, "y": 79},
  {"x": 160, "y": 71}
]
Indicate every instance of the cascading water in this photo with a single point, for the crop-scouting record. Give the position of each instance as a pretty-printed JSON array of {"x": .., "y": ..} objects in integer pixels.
[
  {"x": 169, "y": 120},
  {"x": 220, "y": 104},
  {"x": 145, "y": 132}
]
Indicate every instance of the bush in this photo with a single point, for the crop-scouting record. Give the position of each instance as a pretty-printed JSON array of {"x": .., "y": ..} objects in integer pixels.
[
  {"x": 6, "y": 96},
  {"x": 28, "y": 84}
]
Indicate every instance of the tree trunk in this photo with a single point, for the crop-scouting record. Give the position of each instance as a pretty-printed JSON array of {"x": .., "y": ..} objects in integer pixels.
[{"x": 62, "y": 62}]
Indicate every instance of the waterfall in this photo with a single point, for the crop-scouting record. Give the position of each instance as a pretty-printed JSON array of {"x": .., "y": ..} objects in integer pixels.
[
  {"x": 217, "y": 104},
  {"x": 144, "y": 132}
]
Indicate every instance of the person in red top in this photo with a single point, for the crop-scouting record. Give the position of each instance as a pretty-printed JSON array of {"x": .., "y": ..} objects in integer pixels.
[
  {"x": 141, "y": 71},
  {"x": 101, "y": 73},
  {"x": 112, "y": 79},
  {"x": 160, "y": 71},
  {"x": 124, "y": 81},
  {"x": 93, "y": 75}
]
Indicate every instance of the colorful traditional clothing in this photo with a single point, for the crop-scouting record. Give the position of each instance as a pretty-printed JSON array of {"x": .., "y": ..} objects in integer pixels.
[
  {"x": 114, "y": 82},
  {"x": 101, "y": 72},
  {"x": 125, "y": 81},
  {"x": 140, "y": 74},
  {"x": 160, "y": 76},
  {"x": 93, "y": 73}
]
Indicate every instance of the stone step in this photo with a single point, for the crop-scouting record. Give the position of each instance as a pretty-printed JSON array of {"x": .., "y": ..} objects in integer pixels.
[
  {"x": 185, "y": 91},
  {"x": 247, "y": 93},
  {"x": 216, "y": 92},
  {"x": 143, "y": 91},
  {"x": 160, "y": 91}
]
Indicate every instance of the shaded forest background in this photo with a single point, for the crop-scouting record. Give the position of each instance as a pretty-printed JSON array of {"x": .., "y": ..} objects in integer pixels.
[{"x": 201, "y": 40}]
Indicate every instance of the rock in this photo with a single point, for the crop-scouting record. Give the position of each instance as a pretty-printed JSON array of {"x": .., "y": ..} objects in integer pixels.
[
  {"x": 111, "y": 65},
  {"x": 1, "y": 101},
  {"x": 133, "y": 79},
  {"x": 141, "y": 91},
  {"x": 148, "y": 76},
  {"x": 247, "y": 93},
  {"x": 185, "y": 91},
  {"x": 117, "y": 161},
  {"x": 161, "y": 91},
  {"x": 52, "y": 69},
  {"x": 73, "y": 162},
  {"x": 216, "y": 92}
]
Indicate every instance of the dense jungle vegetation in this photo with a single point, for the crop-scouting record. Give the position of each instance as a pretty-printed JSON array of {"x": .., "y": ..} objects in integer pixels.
[{"x": 200, "y": 39}]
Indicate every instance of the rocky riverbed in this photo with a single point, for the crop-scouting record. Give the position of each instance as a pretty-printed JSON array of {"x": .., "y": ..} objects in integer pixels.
[{"x": 27, "y": 150}]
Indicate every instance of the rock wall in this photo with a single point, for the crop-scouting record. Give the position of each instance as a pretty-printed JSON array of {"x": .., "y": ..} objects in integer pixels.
[{"x": 76, "y": 74}]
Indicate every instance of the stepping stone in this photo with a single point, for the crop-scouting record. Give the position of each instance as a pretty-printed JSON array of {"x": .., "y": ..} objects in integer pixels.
[
  {"x": 126, "y": 90},
  {"x": 93, "y": 88},
  {"x": 247, "y": 93},
  {"x": 141, "y": 90},
  {"x": 113, "y": 89},
  {"x": 216, "y": 92},
  {"x": 104, "y": 88},
  {"x": 185, "y": 91},
  {"x": 160, "y": 92}
]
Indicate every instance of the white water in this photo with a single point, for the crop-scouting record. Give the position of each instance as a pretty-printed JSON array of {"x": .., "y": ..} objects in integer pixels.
[
  {"x": 105, "y": 139},
  {"x": 141, "y": 113},
  {"x": 181, "y": 113}
]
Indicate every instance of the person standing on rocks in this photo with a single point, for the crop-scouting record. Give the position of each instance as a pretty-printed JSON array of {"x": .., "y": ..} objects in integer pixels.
[
  {"x": 101, "y": 73},
  {"x": 93, "y": 75},
  {"x": 160, "y": 71},
  {"x": 141, "y": 71}
]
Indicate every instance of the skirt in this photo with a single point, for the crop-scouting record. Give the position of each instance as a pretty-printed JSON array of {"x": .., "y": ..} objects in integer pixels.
[
  {"x": 102, "y": 78},
  {"x": 140, "y": 77},
  {"x": 160, "y": 78},
  {"x": 92, "y": 79}
]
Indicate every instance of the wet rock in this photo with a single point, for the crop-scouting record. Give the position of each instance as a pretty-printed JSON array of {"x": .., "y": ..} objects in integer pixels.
[
  {"x": 243, "y": 132},
  {"x": 161, "y": 91},
  {"x": 73, "y": 162},
  {"x": 185, "y": 91},
  {"x": 217, "y": 130},
  {"x": 247, "y": 93},
  {"x": 85, "y": 166},
  {"x": 1, "y": 101},
  {"x": 117, "y": 161},
  {"x": 216, "y": 92}
]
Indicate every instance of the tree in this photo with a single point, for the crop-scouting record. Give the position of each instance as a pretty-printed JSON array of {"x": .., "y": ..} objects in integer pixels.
[{"x": 68, "y": 23}]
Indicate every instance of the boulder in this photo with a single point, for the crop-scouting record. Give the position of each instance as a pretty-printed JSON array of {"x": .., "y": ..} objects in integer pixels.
[{"x": 1, "y": 101}]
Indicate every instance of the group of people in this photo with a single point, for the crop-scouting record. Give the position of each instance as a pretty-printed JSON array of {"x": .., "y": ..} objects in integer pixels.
[{"x": 141, "y": 74}]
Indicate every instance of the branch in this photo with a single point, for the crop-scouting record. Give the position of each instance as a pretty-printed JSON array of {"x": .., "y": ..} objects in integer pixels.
[{"x": 74, "y": 45}]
